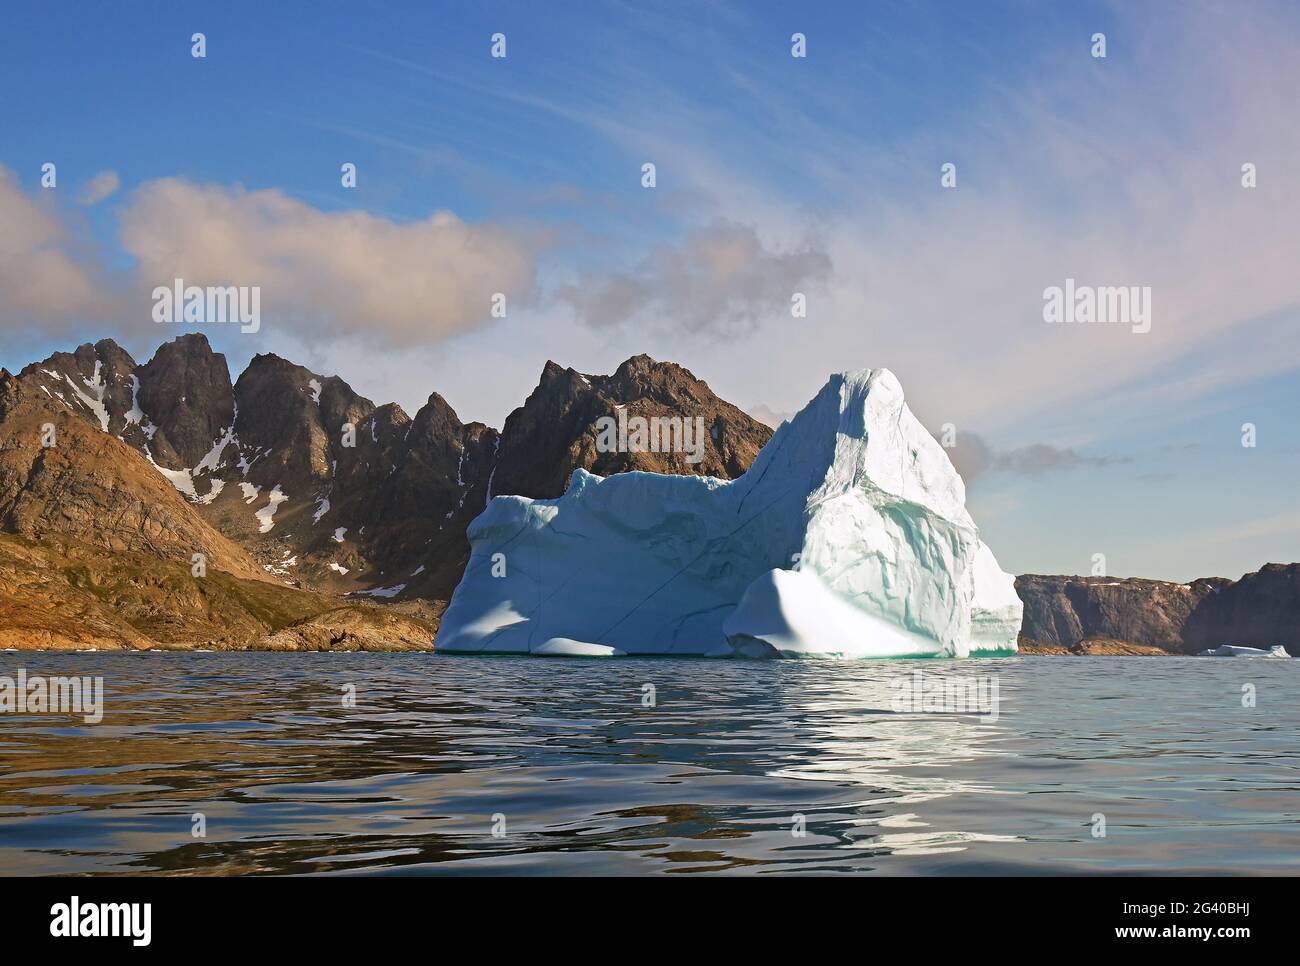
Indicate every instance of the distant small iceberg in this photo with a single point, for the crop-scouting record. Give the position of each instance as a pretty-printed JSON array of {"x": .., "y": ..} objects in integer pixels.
[{"x": 1234, "y": 650}]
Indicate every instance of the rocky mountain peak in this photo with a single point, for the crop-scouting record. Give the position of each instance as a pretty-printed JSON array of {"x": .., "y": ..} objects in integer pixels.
[
  {"x": 184, "y": 391},
  {"x": 558, "y": 429},
  {"x": 642, "y": 377},
  {"x": 114, "y": 356},
  {"x": 93, "y": 382},
  {"x": 297, "y": 424},
  {"x": 436, "y": 417},
  {"x": 8, "y": 392},
  {"x": 639, "y": 364}
]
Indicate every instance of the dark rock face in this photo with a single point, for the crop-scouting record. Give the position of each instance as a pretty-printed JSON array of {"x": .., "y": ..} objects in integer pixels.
[
  {"x": 1259, "y": 610},
  {"x": 1061, "y": 611},
  {"x": 291, "y": 425},
  {"x": 368, "y": 489},
  {"x": 556, "y": 430},
  {"x": 185, "y": 392},
  {"x": 438, "y": 485}
]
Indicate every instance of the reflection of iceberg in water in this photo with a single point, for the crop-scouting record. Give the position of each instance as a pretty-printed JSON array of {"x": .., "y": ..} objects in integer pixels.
[
  {"x": 935, "y": 843},
  {"x": 849, "y": 735}
]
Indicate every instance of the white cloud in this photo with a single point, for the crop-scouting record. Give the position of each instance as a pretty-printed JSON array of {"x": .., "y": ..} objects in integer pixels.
[
  {"x": 330, "y": 274},
  {"x": 44, "y": 277}
]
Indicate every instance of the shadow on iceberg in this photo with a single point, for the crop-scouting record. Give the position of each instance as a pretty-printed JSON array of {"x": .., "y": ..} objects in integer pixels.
[{"x": 848, "y": 536}]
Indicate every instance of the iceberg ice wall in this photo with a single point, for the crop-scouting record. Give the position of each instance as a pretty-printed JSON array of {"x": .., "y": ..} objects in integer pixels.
[{"x": 848, "y": 536}]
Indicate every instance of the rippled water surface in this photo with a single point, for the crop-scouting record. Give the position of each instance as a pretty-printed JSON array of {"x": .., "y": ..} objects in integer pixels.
[{"x": 566, "y": 760}]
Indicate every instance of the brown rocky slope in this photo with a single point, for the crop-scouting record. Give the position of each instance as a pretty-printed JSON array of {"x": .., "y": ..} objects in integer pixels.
[
  {"x": 64, "y": 479},
  {"x": 77, "y": 597}
]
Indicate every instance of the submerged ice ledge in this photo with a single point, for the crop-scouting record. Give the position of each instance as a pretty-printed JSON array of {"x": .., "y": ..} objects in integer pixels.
[{"x": 848, "y": 536}]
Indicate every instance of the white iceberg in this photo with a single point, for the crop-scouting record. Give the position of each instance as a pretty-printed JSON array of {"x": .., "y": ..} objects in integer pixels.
[
  {"x": 1237, "y": 650},
  {"x": 848, "y": 536}
]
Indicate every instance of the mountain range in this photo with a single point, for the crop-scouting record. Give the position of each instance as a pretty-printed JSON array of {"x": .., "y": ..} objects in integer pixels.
[
  {"x": 286, "y": 478},
  {"x": 160, "y": 504}
]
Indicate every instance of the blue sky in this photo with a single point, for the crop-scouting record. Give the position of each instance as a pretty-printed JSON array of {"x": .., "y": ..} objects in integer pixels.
[{"x": 774, "y": 174}]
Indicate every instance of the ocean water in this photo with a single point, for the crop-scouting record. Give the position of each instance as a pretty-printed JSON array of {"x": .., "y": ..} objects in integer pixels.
[{"x": 455, "y": 764}]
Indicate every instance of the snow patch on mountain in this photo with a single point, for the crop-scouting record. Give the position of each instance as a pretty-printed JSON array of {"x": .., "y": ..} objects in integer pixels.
[
  {"x": 135, "y": 415},
  {"x": 95, "y": 404},
  {"x": 212, "y": 461},
  {"x": 214, "y": 491},
  {"x": 385, "y": 592},
  {"x": 460, "y": 484},
  {"x": 265, "y": 516},
  {"x": 180, "y": 479},
  {"x": 496, "y": 449},
  {"x": 184, "y": 479}
]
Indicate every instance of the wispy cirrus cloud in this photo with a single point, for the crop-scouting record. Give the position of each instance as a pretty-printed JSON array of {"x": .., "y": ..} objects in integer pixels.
[{"x": 99, "y": 188}]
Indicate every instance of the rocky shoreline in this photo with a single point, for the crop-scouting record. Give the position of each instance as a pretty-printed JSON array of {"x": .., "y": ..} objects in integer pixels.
[
  {"x": 1094, "y": 647},
  {"x": 1107, "y": 615}
]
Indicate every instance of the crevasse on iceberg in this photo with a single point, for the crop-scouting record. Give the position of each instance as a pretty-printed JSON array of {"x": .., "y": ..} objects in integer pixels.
[{"x": 848, "y": 536}]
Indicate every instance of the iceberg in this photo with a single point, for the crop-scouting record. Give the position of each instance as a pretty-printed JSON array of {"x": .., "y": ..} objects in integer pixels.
[
  {"x": 1237, "y": 650},
  {"x": 847, "y": 537}
]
